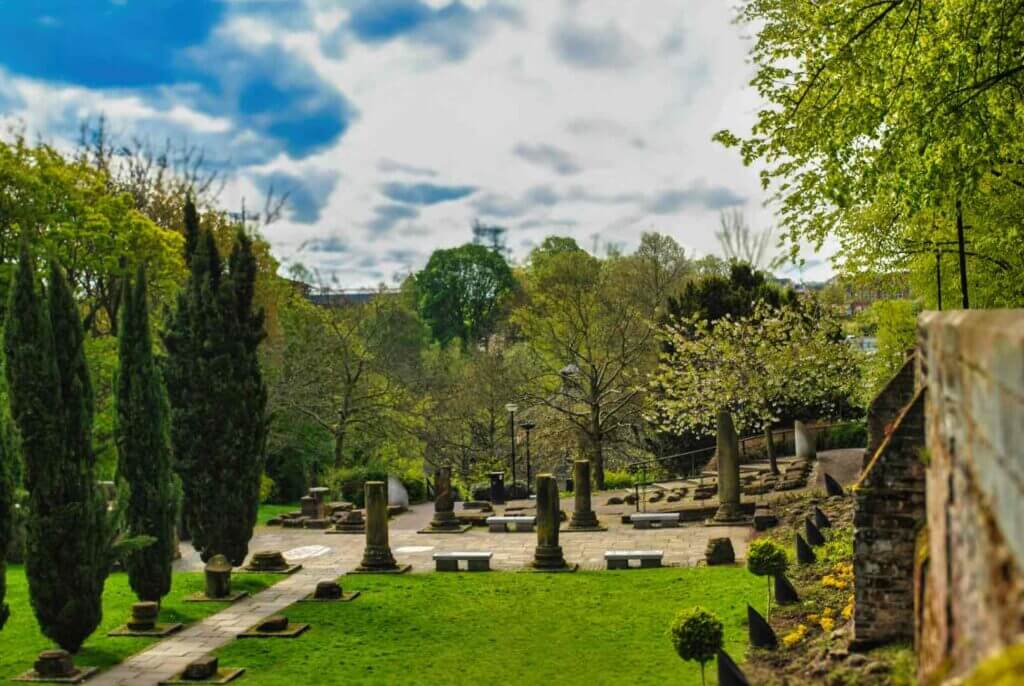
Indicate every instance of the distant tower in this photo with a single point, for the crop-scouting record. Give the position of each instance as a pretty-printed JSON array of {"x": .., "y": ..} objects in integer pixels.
[{"x": 491, "y": 236}]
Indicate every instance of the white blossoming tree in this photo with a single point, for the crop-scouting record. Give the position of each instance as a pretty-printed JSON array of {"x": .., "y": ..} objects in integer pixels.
[{"x": 758, "y": 367}]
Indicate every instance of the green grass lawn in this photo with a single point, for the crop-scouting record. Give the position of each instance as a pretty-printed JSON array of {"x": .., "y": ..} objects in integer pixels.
[
  {"x": 267, "y": 512},
  {"x": 587, "y": 628},
  {"x": 21, "y": 640}
]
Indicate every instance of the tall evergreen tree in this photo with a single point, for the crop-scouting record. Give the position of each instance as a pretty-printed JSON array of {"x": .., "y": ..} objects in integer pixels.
[
  {"x": 144, "y": 448},
  {"x": 218, "y": 400},
  {"x": 191, "y": 228},
  {"x": 6, "y": 513},
  {"x": 67, "y": 554}
]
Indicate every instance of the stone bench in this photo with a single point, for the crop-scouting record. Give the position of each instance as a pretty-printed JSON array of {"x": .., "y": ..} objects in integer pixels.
[
  {"x": 619, "y": 559},
  {"x": 475, "y": 562},
  {"x": 521, "y": 523},
  {"x": 646, "y": 520}
]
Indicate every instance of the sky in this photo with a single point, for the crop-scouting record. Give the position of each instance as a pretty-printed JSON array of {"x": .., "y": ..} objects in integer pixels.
[{"x": 394, "y": 124}]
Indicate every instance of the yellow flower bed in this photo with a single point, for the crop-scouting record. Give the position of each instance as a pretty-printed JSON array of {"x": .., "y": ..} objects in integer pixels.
[{"x": 794, "y": 636}]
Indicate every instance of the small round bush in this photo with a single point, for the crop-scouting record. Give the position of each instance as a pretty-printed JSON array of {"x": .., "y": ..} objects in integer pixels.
[
  {"x": 697, "y": 635},
  {"x": 766, "y": 558}
]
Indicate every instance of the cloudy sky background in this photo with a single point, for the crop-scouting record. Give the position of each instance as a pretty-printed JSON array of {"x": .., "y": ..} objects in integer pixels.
[{"x": 395, "y": 123}]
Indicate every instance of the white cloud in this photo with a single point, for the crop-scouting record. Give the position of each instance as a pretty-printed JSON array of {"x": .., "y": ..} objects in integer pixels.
[{"x": 617, "y": 150}]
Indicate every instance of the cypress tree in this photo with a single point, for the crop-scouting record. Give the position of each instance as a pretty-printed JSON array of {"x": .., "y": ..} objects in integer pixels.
[
  {"x": 67, "y": 553},
  {"x": 191, "y": 228},
  {"x": 218, "y": 400},
  {"x": 144, "y": 449},
  {"x": 6, "y": 513}
]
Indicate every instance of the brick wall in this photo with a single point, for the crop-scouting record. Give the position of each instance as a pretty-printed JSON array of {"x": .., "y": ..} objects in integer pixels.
[
  {"x": 889, "y": 511},
  {"x": 887, "y": 405},
  {"x": 972, "y": 580}
]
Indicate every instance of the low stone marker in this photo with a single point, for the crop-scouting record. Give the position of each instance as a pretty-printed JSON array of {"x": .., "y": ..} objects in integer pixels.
[
  {"x": 804, "y": 553},
  {"x": 821, "y": 519},
  {"x": 217, "y": 579},
  {"x": 647, "y": 520},
  {"x": 813, "y": 533},
  {"x": 143, "y": 622},
  {"x": 521, "y": 523},
  {"x": 377, "y": 557},
  {"x": 729, "y": 673},
  {"x": 720, "y": 552},
  {"x": 547, "y": 556},
  {"x": 329, "y": 591},
  {"x": 270, "y": 562},
  {"x": 764, "y": 518},
  {"x": 785, "y": 593},
  {"x": 205, "y": 670},
  {"x": 56, "y": 666},
  {"x": 475, "y": 561},
  {"x": 349, "y": 522},
  {"x": 583, "y": 516},
  {"x": 444, "y": 520},
  {"x": 759, "y": 632},
  {"x": 833, "y": 487},
  {"x": 274, "y": 626},
  {"x": 619, "y": 559}
]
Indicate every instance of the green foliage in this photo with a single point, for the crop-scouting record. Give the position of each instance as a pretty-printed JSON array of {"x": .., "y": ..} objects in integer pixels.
[
  {"x": 849, "y": 435},
  {"x": 461, "y": 290},
  {"x": 713, "y": 297},
  {"x": 1002, "y": 669},
  {"x": 267, "y": 488},
  {"x": 894, "y": 325},
  {"x": 144, "y": 449},
  {"x": 618, "y": 479},
  {"x": 765, "y": 557},
  {"x": 697, "y": 635},
  {"x": 348, "y": 481},
  {"x": 67, "y": 547},
  {"x": 6, "y": 518},
  {"x": 22, "y": 641},
  {"x": 218, "y": 399}
]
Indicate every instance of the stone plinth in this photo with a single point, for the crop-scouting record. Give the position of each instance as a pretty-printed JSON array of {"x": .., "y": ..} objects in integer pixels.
[
  {"x": 583, "y": 516},
  {"x": 548, "y": 555},
  {"x": 217, "y": 575},
  {"x": 444, "y": 520},
  {"x": 377, "y": 555},
  {"x": 803, "y": 437}
]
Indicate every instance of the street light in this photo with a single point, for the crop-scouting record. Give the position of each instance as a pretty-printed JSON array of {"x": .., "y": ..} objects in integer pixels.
[
  {"x": 528, "y": 427},
  {"x": 512, "y": 407}
]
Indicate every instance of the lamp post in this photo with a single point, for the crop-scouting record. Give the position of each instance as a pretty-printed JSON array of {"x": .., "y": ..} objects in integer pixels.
[
  {"x": 512, "y": 407},
  {"x": 528, "y": 427}
]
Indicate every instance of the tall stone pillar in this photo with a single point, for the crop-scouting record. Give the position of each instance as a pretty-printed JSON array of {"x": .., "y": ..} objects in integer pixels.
[
  {"x": 728, "y": 446},
  {"x": 377, "y": 555},
  {"x": 444, "y": 520},
  {"x": 583, "y": 515},
  {"x": 548, "y": 555},
  {"x": 803, "y": 438}
]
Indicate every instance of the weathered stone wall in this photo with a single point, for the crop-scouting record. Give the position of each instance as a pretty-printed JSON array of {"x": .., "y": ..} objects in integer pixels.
[
  {"x": 889, "y": 511},
  {"x": 972, "y": 600},
  {"x": 887, "y": 405}
]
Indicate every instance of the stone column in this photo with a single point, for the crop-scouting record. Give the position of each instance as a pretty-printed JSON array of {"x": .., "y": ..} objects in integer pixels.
[
  {"x": 377, "y": 555},
  {"x": 728, "y": 470},
  {"x": 444, "y": 501},
  {"x": 583, "y": 515},
  {"x": 497, "y": 487},
  {"x": 548, "y": 555},
  {"x": 804, "y": 439}
]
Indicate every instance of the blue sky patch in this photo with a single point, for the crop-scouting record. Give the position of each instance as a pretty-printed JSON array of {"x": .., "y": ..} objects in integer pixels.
[
  {"x": 307, "y": 194},
  {"x": 425, "y": 193}
]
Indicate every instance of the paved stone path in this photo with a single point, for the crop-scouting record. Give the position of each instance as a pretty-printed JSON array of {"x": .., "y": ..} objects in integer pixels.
[{"x": 331, "y": 556}]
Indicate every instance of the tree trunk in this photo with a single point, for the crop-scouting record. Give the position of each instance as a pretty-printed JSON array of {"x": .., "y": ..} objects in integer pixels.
[
  {"x": 339, "y": 447},
  {"x": 769, "y": 447},
  {"x": 963, "y": 254}
]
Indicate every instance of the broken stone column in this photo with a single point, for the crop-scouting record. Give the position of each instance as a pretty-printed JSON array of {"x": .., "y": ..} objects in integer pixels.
[
  {"x": 806, "y": 447},
  {"x": 55, "y": 664},
  {"x": 144, "y": 616},
  {"x": 548, "y": 555},
  {"x": 583, "y": 515},
  {"x": 728, "y": 447},
  {"x": 218, "y": 577},
  {"x": 497, "y": 487},
  {"x": 444, "y": 501},
  {"x": 377, "y": 555}
]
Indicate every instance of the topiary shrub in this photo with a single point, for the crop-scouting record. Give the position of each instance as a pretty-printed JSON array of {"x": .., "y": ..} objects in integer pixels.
[
  {"x": 767, "y": 558},
  {"x": 696, "y": 635}
]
